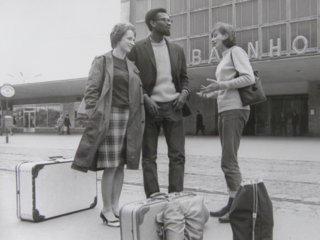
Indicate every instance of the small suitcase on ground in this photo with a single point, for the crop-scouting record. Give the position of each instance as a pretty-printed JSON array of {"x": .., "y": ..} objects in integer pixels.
[
  {"x": 138, "y": 219},
  {"x": 49, "y": 189}
]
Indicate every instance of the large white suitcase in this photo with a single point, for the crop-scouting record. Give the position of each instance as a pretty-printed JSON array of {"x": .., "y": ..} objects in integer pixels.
[
  {"x": 138, "y": 219},
  {"x": 49, "y": 189}
]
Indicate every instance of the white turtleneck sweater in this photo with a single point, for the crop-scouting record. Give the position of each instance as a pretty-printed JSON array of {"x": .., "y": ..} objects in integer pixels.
[{"x": 164, "y": 90}]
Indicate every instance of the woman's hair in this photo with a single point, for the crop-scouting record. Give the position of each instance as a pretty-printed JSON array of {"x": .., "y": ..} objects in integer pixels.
[
  {"x": 118, "y": 31},
  {"x": 151, "y": 14},
  {"x": 225, "y": 28}
]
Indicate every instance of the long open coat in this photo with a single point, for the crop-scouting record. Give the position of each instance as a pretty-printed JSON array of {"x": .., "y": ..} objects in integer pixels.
[{"x": 98, "y": 99}]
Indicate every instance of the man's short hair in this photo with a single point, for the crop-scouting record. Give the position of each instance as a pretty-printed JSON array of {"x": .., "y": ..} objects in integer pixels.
[
  {"x": 224, "y": 28},
  {"x": 151, "y": 14},
  {"x": 118, "y": 31}
]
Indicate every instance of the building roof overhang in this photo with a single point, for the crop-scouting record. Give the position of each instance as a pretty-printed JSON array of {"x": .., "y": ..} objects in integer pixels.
[
  {"x": 59, "y": 88},
  {"x": 275, "y": 70}
]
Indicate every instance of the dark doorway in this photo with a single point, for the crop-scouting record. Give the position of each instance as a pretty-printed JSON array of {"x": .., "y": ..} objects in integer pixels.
[{"x": 288, "y": 105}]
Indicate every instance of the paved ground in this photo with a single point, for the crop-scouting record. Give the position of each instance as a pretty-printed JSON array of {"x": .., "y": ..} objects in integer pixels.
[{"x": 289, "y": 166}]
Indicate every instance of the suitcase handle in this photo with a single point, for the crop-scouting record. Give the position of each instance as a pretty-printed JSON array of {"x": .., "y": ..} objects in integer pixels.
[
  {"x": 158, "y": 195},
  {"x": 59, "y": 159},
  {"x": 54, "y": 158}
]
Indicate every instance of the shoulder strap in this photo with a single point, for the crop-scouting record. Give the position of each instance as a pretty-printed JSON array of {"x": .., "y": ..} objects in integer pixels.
[
  {"x": 255, "y": 208},
  {"x": 237, "y": 73}
]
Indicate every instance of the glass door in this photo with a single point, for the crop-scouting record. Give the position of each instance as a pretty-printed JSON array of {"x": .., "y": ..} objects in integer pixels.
[{"x": 29, "y": 119}]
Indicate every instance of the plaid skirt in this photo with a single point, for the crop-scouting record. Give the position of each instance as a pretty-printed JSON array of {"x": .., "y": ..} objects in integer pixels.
[{"x": 112, "y": 150}]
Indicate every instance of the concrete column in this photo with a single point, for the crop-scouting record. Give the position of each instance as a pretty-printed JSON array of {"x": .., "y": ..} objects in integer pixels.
[{"x": 314, "y": 108}]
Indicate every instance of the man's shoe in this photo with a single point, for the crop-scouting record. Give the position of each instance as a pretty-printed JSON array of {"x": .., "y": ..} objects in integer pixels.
[
  {"x": 224, "y": 219},
  {"x": 223, "y": 211}
]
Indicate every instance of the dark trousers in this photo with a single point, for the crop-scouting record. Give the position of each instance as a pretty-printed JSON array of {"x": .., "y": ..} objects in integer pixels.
[
  {"x": 294, "y": 128},
  {"x": 68, "y": 129},
  {"x": 199, "y": 127},
  {"x": 172, "y": 124},
  {"x": 284, "y": 129},
  {"x": 231, "y": 124}
]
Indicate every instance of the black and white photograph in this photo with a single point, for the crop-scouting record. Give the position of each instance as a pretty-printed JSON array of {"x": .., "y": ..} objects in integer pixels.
[{"x": 159, "y": 119}]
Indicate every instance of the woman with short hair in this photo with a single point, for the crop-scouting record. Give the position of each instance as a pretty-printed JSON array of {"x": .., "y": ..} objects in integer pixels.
[
  {"x": 233, "y": 72},
  {"x": 113, "y": 135}
]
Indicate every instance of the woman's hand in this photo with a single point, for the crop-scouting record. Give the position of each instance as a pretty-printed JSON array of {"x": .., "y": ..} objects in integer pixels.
[
  {"x": 201, "y": 94},
  {"x": 213, "y": 86},
  {"x": 208, "y": 95},
  {"x": 151, "y": 106}
]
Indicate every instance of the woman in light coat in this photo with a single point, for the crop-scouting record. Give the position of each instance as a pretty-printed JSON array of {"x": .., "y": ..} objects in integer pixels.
[
  {"x": 113, "y": 135},
  {"x": 233, "y": 72}
]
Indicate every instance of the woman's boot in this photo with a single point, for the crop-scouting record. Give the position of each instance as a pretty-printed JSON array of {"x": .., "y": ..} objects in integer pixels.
[{"x": 223, "y": 211}]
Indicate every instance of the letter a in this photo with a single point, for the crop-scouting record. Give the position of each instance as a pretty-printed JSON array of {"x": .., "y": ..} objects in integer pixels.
[{"x": 214, "y": 55}]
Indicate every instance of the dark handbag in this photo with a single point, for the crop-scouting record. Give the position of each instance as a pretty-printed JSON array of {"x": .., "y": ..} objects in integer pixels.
[
  {"x": 251, "y": 214},
  {"x": 252, "y": 94}
]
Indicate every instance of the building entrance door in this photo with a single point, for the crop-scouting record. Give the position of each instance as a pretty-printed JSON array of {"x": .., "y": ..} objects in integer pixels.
[
  {"x": 289, "y": 106},
  {"x": 29, "y": 119}
]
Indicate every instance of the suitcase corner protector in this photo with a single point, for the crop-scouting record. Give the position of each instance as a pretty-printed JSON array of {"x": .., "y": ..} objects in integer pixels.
[
  {"x": 36, "y": 216},
  {"x": 36, "y": 169},
  {"x": 94, "y": 202}
]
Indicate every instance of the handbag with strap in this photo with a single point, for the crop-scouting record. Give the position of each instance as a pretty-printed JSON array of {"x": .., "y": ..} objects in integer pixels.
[
  {"x": 251, "y": 213},
  {"x": 252, "y": 94}
]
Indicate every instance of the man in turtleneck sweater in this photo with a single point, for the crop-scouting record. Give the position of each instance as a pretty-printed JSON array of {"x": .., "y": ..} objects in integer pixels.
[{"x": 163, "y": 73}]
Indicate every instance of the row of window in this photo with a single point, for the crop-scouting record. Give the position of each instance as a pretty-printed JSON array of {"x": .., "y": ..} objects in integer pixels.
[
  {"x": 42, "y": 115},
  {"x": 307, "y": 29},
  {"x": 31, "y": 116},
  {"x": 246, "y": 11},
  {"x": 191, "y": 29}
]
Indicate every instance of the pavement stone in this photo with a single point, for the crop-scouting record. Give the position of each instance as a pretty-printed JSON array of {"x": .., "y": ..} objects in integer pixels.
[{"x": 292, "y": 180}]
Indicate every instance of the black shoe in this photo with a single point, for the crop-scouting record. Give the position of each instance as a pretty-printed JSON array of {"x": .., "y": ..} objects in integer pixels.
[
  {"x": 223, "y": 211},
  {"x": 224, "y": 219},
  {"x": 115, "y": 223}
]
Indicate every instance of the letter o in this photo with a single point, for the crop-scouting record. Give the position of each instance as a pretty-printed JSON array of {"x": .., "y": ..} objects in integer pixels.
[{"x": 295, "y": 43}]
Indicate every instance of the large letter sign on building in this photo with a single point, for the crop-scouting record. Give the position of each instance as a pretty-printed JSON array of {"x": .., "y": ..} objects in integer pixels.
[
  {"x": 275, "y": 48},
  {"x": 295, "y": 43},
  {"x": 214, "y": 55},
  {"x": 253, "y": 51},
  {"x": 196, "y": 57}
]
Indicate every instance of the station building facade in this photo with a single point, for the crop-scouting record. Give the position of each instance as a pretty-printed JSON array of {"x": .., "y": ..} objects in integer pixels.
[{"x": 282, "y": 39}]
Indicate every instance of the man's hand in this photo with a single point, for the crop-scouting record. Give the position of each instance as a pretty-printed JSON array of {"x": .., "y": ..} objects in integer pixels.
[
  {"x": 151, "y": 106},
  {"x": 181, "y": 100}
]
